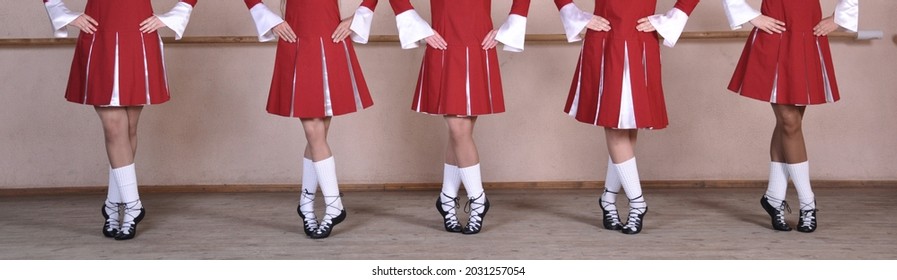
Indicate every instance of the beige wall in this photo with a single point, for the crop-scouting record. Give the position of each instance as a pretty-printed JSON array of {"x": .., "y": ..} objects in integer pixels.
[{"x": 216, "y": 130}]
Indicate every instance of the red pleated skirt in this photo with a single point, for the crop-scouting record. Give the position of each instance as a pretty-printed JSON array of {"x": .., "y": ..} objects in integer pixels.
[
  {"x": 462, "y": 81},
  {"x": 792, "y": 68},
  {"x": 315, "y": 78},
  {"x": 118, "y": 69},
  {"x": 618, "y": 83}
]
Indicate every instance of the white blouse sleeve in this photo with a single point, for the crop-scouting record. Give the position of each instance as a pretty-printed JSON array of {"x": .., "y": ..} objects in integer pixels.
[
  {"x": 670, "y": 25},
  {"x": 412, "y": 28},
  {"x": 575, "y": 21},
  {"x": 739, "y": 12},
  {"x": 177, "y": 18},
  {"x": 512, "y": 33},
  {"x": 361, "y": 25},
  {"x": 847, "y": 14},
  {"x": 60, "y": 17},
  {"x": 265, "y": 21}
]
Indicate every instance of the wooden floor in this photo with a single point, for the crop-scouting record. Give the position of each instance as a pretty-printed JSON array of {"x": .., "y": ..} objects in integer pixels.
[{"x": 683, "y": 223}]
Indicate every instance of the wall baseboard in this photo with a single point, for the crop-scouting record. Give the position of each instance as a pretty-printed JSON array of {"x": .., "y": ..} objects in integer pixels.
[{"x": 577, "y": 185}]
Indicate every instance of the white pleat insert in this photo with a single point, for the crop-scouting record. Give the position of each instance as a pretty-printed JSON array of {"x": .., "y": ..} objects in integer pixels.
[
  {"x": 358, "y": 105},
  {"x": 87, "y": 71},
  {"x": 115, "y": 102},
  {"x": 627, "y": 111}
]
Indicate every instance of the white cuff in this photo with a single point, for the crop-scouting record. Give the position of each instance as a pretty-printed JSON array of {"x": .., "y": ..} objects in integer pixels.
[
  {"x": 512, "y": 33},
  {"x": 361, "y": 25},
  {"x": 575, "y": 21},
  {"x": 177, "y": 18},
  {"x": 412, "y": 28},
  {"x": 60, "y": 17},
  {"x": 265, "y": 21},
  {"x": 739, "y": 12},
  {"x": 847, "y": 14},
  {"x": 670, "y": 25}
]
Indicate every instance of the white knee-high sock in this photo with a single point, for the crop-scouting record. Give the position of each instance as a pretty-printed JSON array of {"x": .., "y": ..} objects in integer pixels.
[
  {"x": 612, "y": 186},
  {"x": 628, "y": 172},
  {"x": 126, "y": 179},
  {"x": 309, "y": 188},
  {"x": 113, "y": 195},
  {"x": 326, "y": 171},
  {"x": 473, "y": 183},
  {"x": 113, "y": 199},
  {"x": 451, "y": 183},
  {"x": 800, "y": 176},
  {"x": 778, "y": 182}
]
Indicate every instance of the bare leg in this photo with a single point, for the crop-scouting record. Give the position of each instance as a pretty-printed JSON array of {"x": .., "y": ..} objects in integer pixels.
[
  {"x": 316, "y": 133},
  {"x": 789, "y": 126},
  {"x": 308, "y": 148},
  {"x": 133, "y": 118},
  {"x": 620, "y": 144},
  {"x": 450, "y": 157},
  {"x": 116, "y": 129},
  {"x": 307, "y": 153},
  {"x": 461, "y": 134},
  {"x": 776, "y": 145}
]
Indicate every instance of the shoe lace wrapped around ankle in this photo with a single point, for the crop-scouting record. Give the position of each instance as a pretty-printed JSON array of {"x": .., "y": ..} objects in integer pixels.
[
  {"x": 113, "y": 210},
  {"x": 451, "y": 217},
  {"x": 475, "y": 209},
  {"x": 634, "y": 221},
  {"x": 308, "y": 199},
  {"x": 130, "y": 213},
  {"x": 328, "y": 217},
  {"x": 327, "y": 222},
  {"x": 613, "y": 215}
]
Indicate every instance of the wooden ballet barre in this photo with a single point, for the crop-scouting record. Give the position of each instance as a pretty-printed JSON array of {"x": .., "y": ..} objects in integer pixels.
[{"x": 700, "y": 35}]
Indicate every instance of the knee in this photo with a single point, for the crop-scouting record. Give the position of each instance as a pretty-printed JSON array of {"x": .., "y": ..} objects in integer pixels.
[
  {"x": 132, "y": 131},
  {"x": 115, "y": 128},
  {"x": 314, "y": 132},
  {"x": 114, "y": 135},
  {"x": 460, "y": 134},
  {"x": 790, "y": 123}
]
